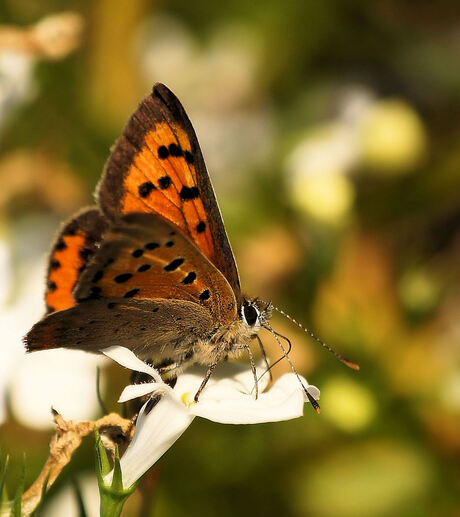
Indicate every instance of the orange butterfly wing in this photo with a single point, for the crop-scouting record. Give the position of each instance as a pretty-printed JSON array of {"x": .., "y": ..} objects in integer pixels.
[
  {"x": 157, "y": 167},
  {"x": 142, "y": 257},
  {"x": 75, "y": 245}
]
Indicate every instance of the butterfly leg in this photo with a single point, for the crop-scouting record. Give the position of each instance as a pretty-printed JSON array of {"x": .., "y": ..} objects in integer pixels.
[
  {"x": 253, "y": 366},
  {"x": 264, "y": 355},
  {"x": 211, "y": 368},
  {"x": 254, "y": 371}
]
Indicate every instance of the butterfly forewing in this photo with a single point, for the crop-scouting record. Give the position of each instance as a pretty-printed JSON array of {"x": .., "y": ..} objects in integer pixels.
[
  {"x": 144, "y": 257},
  {"x": 157, "y": 167},
  {"x": 151, "y": 268}
]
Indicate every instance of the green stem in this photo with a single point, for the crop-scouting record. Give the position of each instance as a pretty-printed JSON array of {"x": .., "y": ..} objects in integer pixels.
[{"x": 112, "y": 496}]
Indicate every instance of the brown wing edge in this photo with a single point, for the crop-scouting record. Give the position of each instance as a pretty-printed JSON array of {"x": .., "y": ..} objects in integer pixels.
[
  {"x": 87, "y": 226},
  {"x": 153, "y": 329},
  {"x": 163, "y": 103}
]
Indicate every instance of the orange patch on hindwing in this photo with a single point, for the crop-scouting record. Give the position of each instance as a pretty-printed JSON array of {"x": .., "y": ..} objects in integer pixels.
[{"x": 66, "y": 261}]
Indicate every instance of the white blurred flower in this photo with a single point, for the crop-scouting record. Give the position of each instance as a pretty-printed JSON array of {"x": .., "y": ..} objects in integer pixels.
[
  {"x": 65, "y": 503},
  {"x": 393, "y": 138},
  {"x": 16, "y": 82},
  {"x": 63, "y": 379},
  {"x": 327, "y": 197},
  {"x": 52, "y": 37},
  {"x": 228, "y": 398},
  {"x": 316, "y": 172},
  {"x": 352, "y": 407},
  {"x": 5, "y": 270},
  {"x": 381, "y": 135},
  {"x": 317, "y": 167},
  {"x": 329, "y": 148}
]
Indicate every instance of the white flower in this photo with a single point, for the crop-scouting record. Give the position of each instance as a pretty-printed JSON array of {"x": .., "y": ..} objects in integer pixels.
[{"x": 228, "y": 398}]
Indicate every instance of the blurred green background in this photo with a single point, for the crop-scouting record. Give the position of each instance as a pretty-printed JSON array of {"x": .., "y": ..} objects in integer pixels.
[{"x": 330, "y": 130}]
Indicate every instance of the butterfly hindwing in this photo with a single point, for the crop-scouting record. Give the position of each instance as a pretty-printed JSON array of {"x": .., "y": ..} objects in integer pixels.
[
  {"x": 157, "y": 167},
  {"x": 73, "y": 248},
  {"x": 144, "y": 257},
  {"x": 154, "y": 329}
]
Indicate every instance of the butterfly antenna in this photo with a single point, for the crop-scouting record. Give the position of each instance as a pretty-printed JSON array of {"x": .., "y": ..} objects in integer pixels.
[
  {"x": 269, "y": 367},
  {"x": 340, "y": 357},
  {"x": 312, "y": 401}
]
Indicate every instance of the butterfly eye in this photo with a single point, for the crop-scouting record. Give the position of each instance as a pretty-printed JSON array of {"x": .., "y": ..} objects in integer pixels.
[{"x": 250, "y": 314}]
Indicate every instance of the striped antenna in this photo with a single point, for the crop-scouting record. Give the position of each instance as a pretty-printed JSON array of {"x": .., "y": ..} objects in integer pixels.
[
  {"x": 340, "y": 357},
  {"x": 310, "y": 398}
]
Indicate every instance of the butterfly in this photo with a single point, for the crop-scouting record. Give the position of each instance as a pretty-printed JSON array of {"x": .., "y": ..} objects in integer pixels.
[{"x": 150, "y": 268}]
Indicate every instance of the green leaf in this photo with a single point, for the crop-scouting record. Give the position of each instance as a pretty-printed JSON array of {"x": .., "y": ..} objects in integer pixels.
[
  {"x": 101, "y": 454},
  {"x": 117, "y": 481},
  {"x": 16, "y": 508}
]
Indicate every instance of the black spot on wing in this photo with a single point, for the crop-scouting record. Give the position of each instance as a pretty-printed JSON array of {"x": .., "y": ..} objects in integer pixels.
[
  {"x": 130, "y": 294},
  {"x": 152, "y": 245},
  {"x": 86, "y": 253},
  {"x": 205, "y": 295},
  {"x": 163, "y": 152},
  {"x": 71, "y": 230},
  {"x": 175, "y": 150},
  {"x": 174, "y": 264},
  {"x": 94, "y": 293},
  {"x": 137, "y": 253},
  {"x": 124, "y": 277},
  {"x": 191, "y": 277},
  {"x": 145, "y": 188},
  {"x": 55, "y": 264},
  {"x": 164, "y": 182},
  {"x": 189, "y": 157},
  {"x": 144, "y": 267},
  {"x": 201, "y": 227},
  {"x": 61, "y": 245},
  {"x": 188, "y": 193},
  {"x": 98, "y": 275}
]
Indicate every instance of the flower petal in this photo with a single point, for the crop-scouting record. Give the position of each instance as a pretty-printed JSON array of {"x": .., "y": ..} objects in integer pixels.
[
  {"x": 156, "y": 430},
  {"x": 283, "y": 401},
  {"x": 133, "y": 391},
  {"x": 313, "y": 390},
  {"x": 228, "y": 381},
  {"x": 129, "y": 360}
]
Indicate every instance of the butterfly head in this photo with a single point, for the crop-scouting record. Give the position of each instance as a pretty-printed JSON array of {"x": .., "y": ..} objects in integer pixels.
[{"x": 254, "y": 313}]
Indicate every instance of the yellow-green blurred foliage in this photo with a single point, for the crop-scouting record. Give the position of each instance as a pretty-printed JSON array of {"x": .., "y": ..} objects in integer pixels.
[{"x": 331, "y": 133}]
